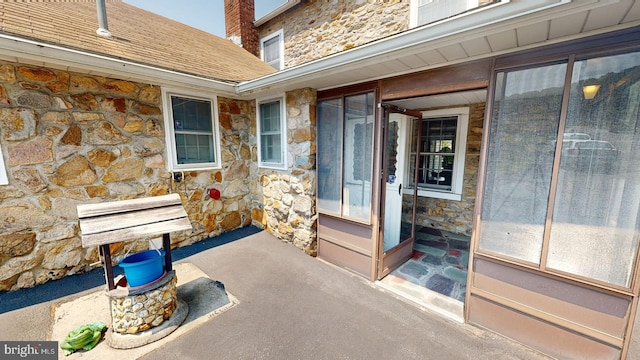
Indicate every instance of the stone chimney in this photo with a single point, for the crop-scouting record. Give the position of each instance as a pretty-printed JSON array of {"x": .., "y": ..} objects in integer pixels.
[{"x": 238, "y": 19}]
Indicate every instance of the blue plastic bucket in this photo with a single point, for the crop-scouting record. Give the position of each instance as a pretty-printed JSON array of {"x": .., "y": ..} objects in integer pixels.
[{"x": 143, "y": 267}]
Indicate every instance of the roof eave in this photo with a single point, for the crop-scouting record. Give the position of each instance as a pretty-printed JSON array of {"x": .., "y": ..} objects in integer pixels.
[
  {"x": 32, "y": 52},
  {"x": 277, "y": 11},
  {"x": 434, "y": 35}
]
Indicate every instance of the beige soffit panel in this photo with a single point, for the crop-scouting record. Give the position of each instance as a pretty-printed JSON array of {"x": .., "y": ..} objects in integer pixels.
[{"x": 495, "y": 27}]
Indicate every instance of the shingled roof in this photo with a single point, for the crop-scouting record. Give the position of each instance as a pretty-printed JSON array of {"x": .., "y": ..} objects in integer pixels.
[{"x": 138, "y": 36}]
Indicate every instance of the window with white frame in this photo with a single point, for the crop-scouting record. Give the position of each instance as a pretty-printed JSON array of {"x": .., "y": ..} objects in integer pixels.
[
  {"x": 3, "y": 171},
  {"x": 441, "y": 158},
  {"x": 272, "y": 138},
  {"x": 428, "y": 11},
  {"x": 272, "y": 49},
  {"x": 193, "y": 134}
]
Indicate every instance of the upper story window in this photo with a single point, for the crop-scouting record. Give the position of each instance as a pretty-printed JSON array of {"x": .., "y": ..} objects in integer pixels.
[
  {"x": 272, "y": 139},
  {"x": 272, "y": 49},
  {"x": 429, "y": 11},
  {"x": 3, "y": 172},
  {"x": 192, "y": 136},
  {"x": 442, "y": 153}
]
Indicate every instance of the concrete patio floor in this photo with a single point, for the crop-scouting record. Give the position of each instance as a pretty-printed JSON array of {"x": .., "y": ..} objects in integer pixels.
[{"x": 289, "y": 306}]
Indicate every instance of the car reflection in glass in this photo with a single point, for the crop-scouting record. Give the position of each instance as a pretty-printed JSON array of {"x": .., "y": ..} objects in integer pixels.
[
  {"x": 576, "y": 136},
  {"x": 589, "y": 155}
]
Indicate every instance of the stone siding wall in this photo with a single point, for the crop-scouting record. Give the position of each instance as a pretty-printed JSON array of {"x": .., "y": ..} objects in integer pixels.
[
  {"x": 318, "y": 28},
  {"x": 70, "y": 138},
  {"x": 237, "y": 129},
  {"x": 457, "y": 216},
  {"x": 285, "y": 199}
]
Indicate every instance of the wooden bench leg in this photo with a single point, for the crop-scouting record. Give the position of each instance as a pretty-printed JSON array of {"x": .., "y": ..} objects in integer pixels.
[{"x": 105, "y": 257}]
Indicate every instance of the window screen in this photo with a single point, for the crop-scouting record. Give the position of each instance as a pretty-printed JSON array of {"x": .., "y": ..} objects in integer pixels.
[
  {"x": 271, "y": 146},
  {"x": 193, "y": 129}
]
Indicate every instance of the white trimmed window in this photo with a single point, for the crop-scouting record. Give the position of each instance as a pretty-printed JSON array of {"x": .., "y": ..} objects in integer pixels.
[
  {"x": 272, "y": 133},
  {"x": 428, "y": 11},
  {"x": 3, "y": 171},
  {"x": 443, "y": 143},
  {"x": 192, "y": 131},
  {"x": 272, "y": 49}
]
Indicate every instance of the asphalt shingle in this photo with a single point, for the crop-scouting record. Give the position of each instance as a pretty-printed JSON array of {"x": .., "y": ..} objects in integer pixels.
[{"x": 139, "y": 36}]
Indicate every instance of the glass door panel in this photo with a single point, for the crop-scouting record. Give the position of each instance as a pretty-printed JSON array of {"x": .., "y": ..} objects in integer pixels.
[
  {"x": 394, "y": 181},
  {"x": 398, "y": 208}
]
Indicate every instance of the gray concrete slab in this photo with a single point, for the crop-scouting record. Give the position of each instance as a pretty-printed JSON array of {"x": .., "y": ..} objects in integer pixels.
[{"x": 292, "y": 306}]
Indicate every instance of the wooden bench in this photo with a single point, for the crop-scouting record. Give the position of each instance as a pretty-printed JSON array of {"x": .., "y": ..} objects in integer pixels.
[{"x": 116, "y": 221}]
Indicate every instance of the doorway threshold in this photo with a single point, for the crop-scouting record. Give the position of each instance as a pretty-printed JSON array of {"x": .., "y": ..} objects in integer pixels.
[{"x": 424, "y": 298}]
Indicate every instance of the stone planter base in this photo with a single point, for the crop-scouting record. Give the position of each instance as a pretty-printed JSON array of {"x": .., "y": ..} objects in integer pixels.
[
  {"x": 145, "y": 308},
  {"x": 130, "y": 341}
]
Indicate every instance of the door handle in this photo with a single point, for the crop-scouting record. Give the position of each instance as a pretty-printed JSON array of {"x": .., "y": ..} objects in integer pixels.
[{"x": 400, "y": 189}]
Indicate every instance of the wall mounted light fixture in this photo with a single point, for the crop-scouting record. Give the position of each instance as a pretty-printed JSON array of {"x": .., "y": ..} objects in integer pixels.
[{"x": 590, "y": 91}]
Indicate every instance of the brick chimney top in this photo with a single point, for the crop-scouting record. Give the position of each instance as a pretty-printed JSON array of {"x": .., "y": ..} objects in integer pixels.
[{"x": 238, "y": 19}]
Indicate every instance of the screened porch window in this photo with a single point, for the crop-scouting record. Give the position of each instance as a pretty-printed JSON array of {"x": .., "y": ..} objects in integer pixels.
[
  {"x": 597, "y": 206},
  {"x": 593, "y": 228},
  {"x": 345, "y": 156}
]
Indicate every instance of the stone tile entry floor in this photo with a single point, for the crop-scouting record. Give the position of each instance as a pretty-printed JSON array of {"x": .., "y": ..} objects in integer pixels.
[{"x": 439, "y": 263}]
